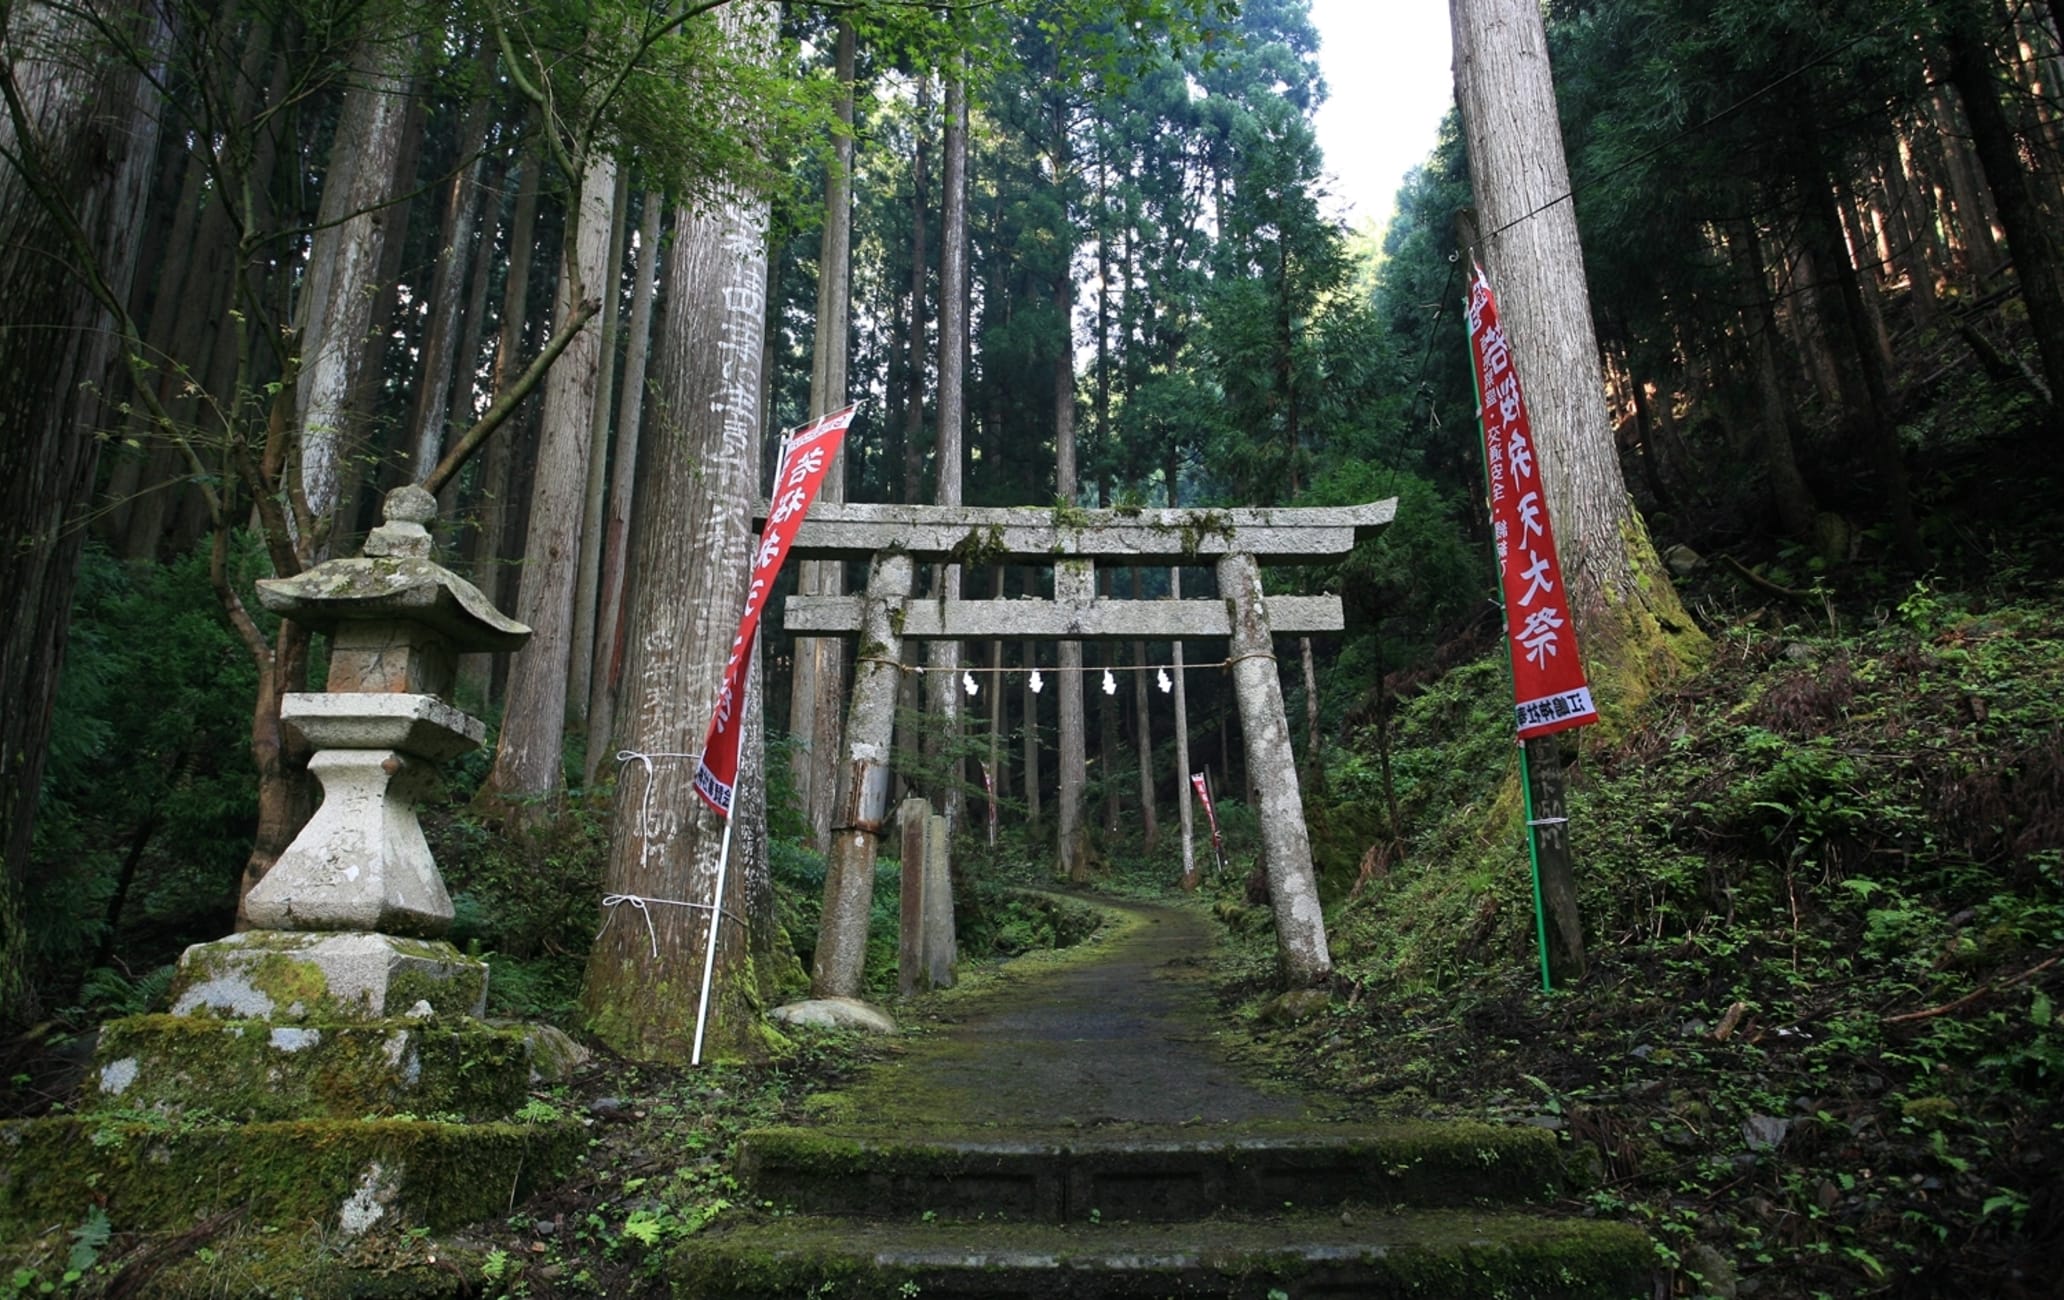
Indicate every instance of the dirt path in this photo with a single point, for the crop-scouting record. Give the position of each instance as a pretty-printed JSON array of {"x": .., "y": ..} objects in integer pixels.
[{"x": 1121, "y": 1035}]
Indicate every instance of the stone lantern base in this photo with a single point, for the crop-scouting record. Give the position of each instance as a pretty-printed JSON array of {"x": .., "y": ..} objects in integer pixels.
[{"x": 283, "y": 975}]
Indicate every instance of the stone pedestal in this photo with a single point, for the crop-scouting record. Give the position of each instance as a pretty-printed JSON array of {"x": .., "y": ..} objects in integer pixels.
[
  {"x": 299, "y": 976},
  {"x": 361, "y": 863}
]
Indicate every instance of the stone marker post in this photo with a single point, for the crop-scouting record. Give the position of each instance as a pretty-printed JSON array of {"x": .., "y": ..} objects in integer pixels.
[
  {"x": 913, "y": 822},
  {"x": 939, "y": 949}
]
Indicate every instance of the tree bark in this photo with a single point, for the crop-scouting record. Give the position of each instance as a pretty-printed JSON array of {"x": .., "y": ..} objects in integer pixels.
[
  {"x": 1272, "y": 769},
  {"x": 1779, "y": 429},
  {"x": 587, "y": 634},
  {"x": 1634, "y": 633},
  {"x": 1970, "y": 203},
  {"x": 1143, "y": 733},
  {"x": 1185, "y": 810},
  {"x": 914, "y": 370},
  {"x": 1028, "y": 658},
  {"x": 342, "y": 288},
  {"x": 1866, "y": 390},
  {"x": 527, "y": 773},
  {"x": 609, "y": 631},
  {"x": 943, "y": 657},
  {"x": 465, "y": 387},
  {"x": 1073, "y": 852},
  {"x": 691, "y": 542},
  {"x": 818, "y": 687},
  {"x": 447, "y": 290},
  {"x": 497, "y": 510},
  {"x": 79, "y": 136},
  {"x": 838, "y": 969},
  {"x": 2031, "y": 234}
]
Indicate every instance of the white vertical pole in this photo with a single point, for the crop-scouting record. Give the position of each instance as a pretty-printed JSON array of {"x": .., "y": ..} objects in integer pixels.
[
  {"x": 709, "y": 949},
  {"x": 716, "y": 906}
]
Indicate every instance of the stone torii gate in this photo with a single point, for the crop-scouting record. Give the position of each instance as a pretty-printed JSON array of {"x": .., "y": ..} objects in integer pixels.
[{"x": 894, "y": 539}]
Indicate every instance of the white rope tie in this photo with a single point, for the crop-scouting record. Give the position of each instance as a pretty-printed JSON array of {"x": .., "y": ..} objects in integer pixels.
[{"x": 644, "y": 906}]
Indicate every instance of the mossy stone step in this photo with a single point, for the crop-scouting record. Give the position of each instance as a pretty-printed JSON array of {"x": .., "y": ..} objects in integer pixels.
[
  {"x": 267, "y": 1070},
  {"x": 1149, "y": 1174},
  {"x": 161, "y": 1172},
  {"x": 1426, "y": 1255}
]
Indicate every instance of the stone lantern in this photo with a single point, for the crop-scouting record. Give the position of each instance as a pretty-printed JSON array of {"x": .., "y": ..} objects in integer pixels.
[
  {"x": 332, "y": 1067},
  {"x": 352, "y": 913}
]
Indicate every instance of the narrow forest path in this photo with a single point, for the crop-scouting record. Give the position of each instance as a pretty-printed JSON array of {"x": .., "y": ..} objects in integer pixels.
[
  {"x": 1127, "y": 1037},
  {"x": 1074, "y": 1127}
]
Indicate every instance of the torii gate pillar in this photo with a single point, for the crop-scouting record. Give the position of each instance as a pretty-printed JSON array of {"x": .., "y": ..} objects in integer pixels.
[
  {"x": 839, "y": 966},
  {"x": 1285, "y": 841}
]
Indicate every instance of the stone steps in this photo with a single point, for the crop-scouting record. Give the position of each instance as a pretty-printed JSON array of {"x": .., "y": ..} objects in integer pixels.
[
  {"x": 1427, "y": 1255},
  {"x": 1260, "y": 1210},
  {"x": 1154, "y": 1175}
]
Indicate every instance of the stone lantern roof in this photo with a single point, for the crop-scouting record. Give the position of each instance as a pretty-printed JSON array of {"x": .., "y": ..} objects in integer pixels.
[{"x": 395, "y": 581}]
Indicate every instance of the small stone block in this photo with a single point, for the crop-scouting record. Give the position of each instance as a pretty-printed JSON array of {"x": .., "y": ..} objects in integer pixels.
[
  {"x": 396, "y": 658},
  {"x": 304, "y": 976}
]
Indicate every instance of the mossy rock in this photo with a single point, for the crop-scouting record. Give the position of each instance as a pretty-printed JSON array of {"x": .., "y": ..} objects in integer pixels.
[
  {"x": 349, "y": 1175},
  {"x": 251, "y": 1070}
]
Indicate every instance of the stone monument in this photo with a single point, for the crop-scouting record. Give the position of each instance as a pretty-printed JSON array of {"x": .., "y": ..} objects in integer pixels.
[{"x": 328, "y": 1066}]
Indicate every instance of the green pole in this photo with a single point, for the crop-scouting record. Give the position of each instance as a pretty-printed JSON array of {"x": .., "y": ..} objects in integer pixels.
[{"x": 1533, "y": 841}]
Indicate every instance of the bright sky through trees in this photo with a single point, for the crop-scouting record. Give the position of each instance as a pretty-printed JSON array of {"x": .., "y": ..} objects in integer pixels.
[{"x": 1386, "y": 64}]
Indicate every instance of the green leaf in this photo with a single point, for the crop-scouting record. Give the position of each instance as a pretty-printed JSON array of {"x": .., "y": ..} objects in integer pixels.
[
  {"x": 87, "y": 1239},
  {"x": 643, "y": 1226}
]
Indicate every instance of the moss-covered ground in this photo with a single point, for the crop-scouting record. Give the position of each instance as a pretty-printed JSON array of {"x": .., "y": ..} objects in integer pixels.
[
  {"x": 657, "y": 1168},
  {"x": 1816, "y": 1052}
]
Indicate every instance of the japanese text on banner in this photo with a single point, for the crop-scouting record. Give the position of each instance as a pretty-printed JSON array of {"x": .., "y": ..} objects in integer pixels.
[{"x": 1549, "y": 690}]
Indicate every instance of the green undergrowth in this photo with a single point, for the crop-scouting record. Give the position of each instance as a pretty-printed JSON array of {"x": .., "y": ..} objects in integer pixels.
[{"x": 1816, "y": 1053}]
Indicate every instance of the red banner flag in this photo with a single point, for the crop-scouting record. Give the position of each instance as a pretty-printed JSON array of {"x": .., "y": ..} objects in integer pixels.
[
  {"x": 806, "y": 458},
  {"x": 1549, "y": 690},
  {"x": 1203, "y": 790},
  {"x": 989, "y": 785}
]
